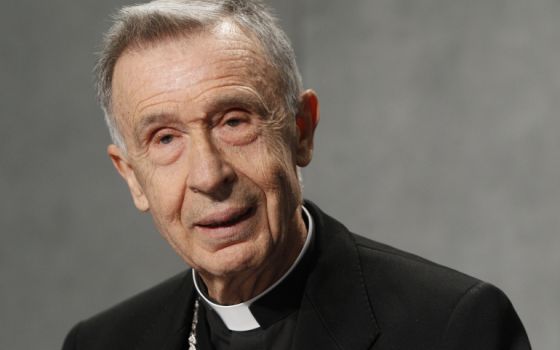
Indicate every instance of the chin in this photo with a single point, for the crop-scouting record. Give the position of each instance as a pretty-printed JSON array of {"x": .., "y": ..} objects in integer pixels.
[{"x": 231, "y": 260}]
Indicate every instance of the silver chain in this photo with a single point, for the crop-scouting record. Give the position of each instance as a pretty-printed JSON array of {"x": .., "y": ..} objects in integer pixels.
[{"x": 192, "y": 335}]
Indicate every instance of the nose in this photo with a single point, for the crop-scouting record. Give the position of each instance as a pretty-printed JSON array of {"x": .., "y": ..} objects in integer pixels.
[{"x": 209, "y": 174}]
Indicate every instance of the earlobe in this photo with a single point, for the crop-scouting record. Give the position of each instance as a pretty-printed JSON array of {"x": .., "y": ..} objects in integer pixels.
[
  {"x": 306, "y": 122},
  {"x": 125, "y": 169}
]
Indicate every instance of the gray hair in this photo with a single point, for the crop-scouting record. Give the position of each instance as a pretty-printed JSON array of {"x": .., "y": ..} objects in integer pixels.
[{"x": 161, "y": 19}]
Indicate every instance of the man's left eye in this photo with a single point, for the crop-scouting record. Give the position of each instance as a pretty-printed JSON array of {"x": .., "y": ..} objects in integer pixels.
[{"x": 166, "y": 139}]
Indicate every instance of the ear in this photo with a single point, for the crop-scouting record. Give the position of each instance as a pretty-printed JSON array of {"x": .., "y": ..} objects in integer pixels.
[
  {"x": 126, "y": 170},
  {"x": 306, "y": 122}
]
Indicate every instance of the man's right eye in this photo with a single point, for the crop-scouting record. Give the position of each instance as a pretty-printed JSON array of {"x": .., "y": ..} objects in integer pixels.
[{"x": 164, "y": 136}]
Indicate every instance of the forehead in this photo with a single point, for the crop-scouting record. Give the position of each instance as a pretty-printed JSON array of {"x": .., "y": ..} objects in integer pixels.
[{"x": 185, "y": 68}]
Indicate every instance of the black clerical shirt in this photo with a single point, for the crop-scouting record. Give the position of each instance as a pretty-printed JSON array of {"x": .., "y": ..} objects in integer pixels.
[{"x": 214, "y": 335}]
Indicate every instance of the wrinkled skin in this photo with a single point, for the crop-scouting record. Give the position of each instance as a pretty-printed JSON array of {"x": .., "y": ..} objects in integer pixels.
[{"x": 212, "y": 155}]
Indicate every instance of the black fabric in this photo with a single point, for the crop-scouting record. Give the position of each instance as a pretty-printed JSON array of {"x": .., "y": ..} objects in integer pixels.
[
  {"x": 358, "y": 295},
  {"x": 214, "y": 335}
]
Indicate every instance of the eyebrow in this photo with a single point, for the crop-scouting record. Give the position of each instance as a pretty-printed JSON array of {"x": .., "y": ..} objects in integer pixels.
[
  {"x": 152, "y": 119},
  {"x": 245, "y": 100}
]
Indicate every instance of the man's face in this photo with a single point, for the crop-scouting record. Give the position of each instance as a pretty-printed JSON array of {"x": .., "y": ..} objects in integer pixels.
[{"x": 204, "y": 153}]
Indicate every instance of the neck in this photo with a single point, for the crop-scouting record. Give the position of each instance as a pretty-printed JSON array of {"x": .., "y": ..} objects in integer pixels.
[{"x": 245, "y": 285}]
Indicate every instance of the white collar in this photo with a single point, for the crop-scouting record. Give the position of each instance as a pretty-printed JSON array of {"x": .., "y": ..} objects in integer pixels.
[{"x": 239, "y": 317}]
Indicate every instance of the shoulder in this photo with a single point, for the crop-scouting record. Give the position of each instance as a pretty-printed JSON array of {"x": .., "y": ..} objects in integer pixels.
[
  {"x": 403, "y": 273},
  {"x": 420, "y": 304},
  {"x": 388, "y": 272},
  {"x": 116, "y": 326},
  {"x": 444, "y": 307},
  {"x": 435, "y": 304},
  {"x": 384, "y": 266}
]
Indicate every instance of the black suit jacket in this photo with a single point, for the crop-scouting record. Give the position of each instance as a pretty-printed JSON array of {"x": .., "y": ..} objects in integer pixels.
[{"x": 359, "y": 295}]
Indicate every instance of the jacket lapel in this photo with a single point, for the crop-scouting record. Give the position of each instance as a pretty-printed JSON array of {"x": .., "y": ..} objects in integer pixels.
[
  {"x": 170, "y": 328},
  {"x": 335, "y": 312}
]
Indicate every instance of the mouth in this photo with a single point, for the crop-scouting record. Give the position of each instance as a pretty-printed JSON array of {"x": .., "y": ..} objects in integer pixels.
[{"x": 226, "y": 218}]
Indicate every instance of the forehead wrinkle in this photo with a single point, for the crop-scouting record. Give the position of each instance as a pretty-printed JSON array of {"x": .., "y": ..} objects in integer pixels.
[
  {"x": 147, "y": 102},
  {"x": 249, "y": 51},
  {"x": 246, "y": 56},
  {"x": 223, "y": 83},
  {"x": 230, "y": 95},
  {"x": 235, "y": 70},
  {"x": 141, "y": 105},
  {"x": 234, "y": 57},
  {"x": 134, "y": 108},
  {"x": 191, "y": 76}
]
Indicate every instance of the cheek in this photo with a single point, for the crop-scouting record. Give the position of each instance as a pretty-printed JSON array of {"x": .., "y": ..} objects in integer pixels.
[
  {"x": 272, "y": 169},
  {"x": 165, "y": 189},
  {"x": 280, "y": 166},
  {"x": 267, "y": 164}
]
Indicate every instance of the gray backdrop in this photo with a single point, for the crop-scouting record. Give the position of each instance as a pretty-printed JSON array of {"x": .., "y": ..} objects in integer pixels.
[{"x": 439, "y": 135}]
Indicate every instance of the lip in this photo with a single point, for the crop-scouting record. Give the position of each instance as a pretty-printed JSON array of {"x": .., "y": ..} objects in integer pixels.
[{"x": 225, "y": 218}]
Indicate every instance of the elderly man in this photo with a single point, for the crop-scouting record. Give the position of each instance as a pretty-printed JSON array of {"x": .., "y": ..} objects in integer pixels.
[{"x": 209, "y": 121}]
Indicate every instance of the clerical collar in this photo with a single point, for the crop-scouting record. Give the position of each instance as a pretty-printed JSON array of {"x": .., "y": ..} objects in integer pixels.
[{"x": 239, "y": 317}]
